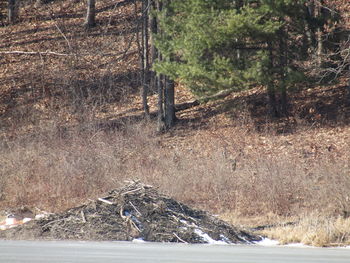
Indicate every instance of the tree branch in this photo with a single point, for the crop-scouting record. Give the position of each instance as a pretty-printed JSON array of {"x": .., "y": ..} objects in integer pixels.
[{"x": 17, "y": 52}]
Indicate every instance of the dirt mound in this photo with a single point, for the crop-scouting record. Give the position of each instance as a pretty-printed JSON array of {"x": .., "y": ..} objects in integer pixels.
[{"x": 136, "y": 211}]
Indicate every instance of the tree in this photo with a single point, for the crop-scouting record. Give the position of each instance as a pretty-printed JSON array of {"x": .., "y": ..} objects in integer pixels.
[
  {"x": 163, "y": 83},
  {"x": 90, "y": 14},
  {"x": 243, "y": 43},
  {"x": 145, "y": 58}
]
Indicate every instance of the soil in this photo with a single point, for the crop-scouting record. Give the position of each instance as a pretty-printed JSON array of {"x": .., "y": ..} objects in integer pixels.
[{"x": 135, "y": 211}]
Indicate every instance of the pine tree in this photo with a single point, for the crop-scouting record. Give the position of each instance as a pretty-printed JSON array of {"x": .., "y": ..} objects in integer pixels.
[{"x": 215, "y": 45}]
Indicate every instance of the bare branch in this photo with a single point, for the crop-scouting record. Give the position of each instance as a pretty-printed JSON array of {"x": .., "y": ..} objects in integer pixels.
[{"x": 17, "y": 52}]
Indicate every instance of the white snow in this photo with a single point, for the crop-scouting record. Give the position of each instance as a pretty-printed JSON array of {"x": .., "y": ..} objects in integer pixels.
[
  {"x": 138, "y": 240},
  {"x": 267, "y": 242},
  {"x": 208, "y": 239},
  {"x": 26, "y": 219},
  {"x": 270, "y": 243},
  {"x": 43, "y": 215},
  {"x": 11, "y": 221}
]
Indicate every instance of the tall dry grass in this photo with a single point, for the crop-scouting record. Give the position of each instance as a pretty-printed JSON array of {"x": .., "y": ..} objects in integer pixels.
[
  {"x": 314, "y": 230},
  {"x": 54, "y": 172}
]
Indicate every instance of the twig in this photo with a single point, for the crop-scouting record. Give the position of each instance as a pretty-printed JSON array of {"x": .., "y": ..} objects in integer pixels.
[
  {"x": 121, "y": 55},
  {"x": 16, "y": 52},
  {"x": 64, "y": 36},
  {"x": 131, "y": 191},
  {"x": 179, "y": 238},
  {"x": 134, "y": 225},
  {"x": 105, "y": 201},
  {"x": 135, "y": 208},
  {"x": 83, "y": 216},
  {"x": 52, "y": 222}
]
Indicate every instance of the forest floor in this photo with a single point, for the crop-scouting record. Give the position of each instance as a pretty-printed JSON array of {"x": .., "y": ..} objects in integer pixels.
[{"x": 72, "y": 128}]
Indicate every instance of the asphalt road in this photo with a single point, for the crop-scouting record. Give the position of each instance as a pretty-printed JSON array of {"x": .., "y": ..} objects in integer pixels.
[{"x": 61, "y": 251}]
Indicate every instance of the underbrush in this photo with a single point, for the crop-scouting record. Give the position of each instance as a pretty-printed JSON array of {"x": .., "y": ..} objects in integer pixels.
[{"x": 55, "y": 171}]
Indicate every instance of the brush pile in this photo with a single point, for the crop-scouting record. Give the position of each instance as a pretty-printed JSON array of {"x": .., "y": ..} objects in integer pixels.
[{"x": 134, "y": 212}]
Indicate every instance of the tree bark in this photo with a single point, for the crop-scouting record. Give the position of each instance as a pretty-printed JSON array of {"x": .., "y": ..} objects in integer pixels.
[
  {"x": 153, "y": 49},
  {"x": 163, "y": 84},
  {"x": 145, "y": 55},
  {"x": 319, "y": 35},
  {"x": 159, "y": 78},
  {"x": 161, "y": 122},
  {"x": 12, "y": 11},
  {"x": 90, "y": 14},
  {"x": 283, "y": 57},
  {"x": 169, "y": 103},
  {"x": 271, "y": 92}
]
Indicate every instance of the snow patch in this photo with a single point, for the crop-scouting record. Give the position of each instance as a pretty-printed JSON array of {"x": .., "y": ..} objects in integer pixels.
[
  {"x": 138, "y": 240},
  {"x": 208, "y": 239},
  {"x": 267, "y": 242}
]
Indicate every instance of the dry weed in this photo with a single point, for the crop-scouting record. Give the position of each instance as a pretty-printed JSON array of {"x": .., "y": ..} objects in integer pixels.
[
  {"x": 55, "y": 171},
  {"x": 314, "y": 230}
]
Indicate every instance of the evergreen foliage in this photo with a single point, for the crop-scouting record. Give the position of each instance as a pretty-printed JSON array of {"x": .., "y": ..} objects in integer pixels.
[{"x": 211, "y": 45}]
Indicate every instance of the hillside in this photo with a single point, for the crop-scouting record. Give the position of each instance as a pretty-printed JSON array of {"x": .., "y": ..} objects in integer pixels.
[{"x": 72, "y": 127}]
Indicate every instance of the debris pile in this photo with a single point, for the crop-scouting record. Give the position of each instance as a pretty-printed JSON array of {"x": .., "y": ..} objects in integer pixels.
[{"x": 134, "y": 212}]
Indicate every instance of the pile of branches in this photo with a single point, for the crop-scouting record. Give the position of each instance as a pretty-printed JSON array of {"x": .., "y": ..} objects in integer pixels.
[{"x": 135, "y": 211}]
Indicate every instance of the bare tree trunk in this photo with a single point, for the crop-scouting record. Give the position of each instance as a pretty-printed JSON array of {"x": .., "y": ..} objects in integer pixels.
[
  {"x": 160, "y": 82},
  {"x": 161, "y": 122},
  {"x": 166, "y": 87},
  {"x": 145, "y": 55},
  {"x": 169, "y": 100},
  {"x": 283, "y": 57},
  {"x": 12, "y": 11},
  {"x": 169, "y": 103},
  {"x": 91, "y": 13},
  {"x": 271, "y": 92},
  {"x": 153, "y": 49},
  {"x": 319, "y": 35}
]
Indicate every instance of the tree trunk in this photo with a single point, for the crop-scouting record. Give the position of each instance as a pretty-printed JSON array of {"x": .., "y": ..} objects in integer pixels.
[
  {"x": 153, "y": 49},
  {"x": 161, "y": 122},
  {"x": 91, "y": 13},
  {"x": 169, "y": 92},
  {"x": 159, "y": 79},
  {"x": 273, "y": 112},
  {"x": 165, "y": 86},
  {"x": 145, "y": 56},
  {"x": 169, "y": 103},
  {"x": 319, "y": 35},
  {"x": 283, "y": 57},
  {"x": 12, "y": 11},
  {"x": 146, "y": 65}
]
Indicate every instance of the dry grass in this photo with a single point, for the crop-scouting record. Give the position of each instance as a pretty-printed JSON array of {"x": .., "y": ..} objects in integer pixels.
[
  {"x": 57, "y": 170},
  {"x": 314, "y": 230}
]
